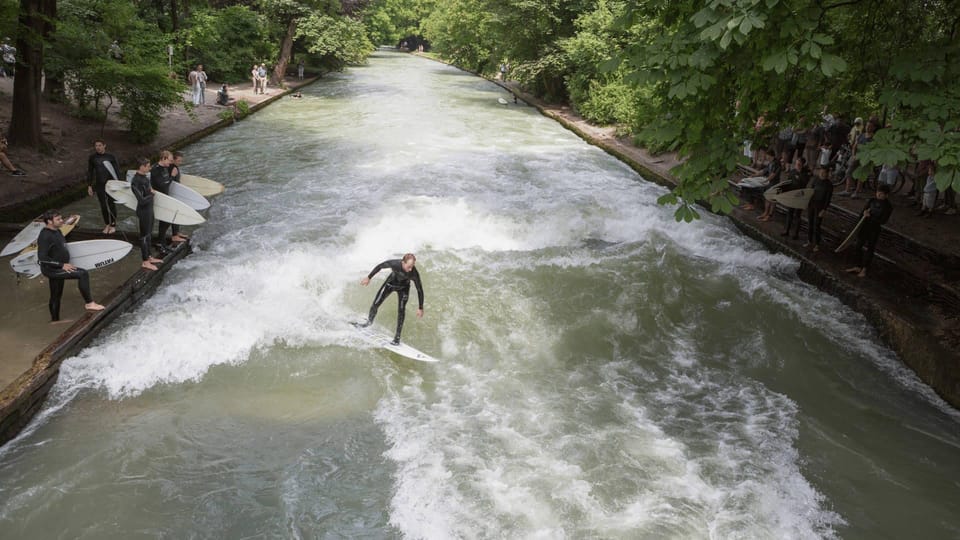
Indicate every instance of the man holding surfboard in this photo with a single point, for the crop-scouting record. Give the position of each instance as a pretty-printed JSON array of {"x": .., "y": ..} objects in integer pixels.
[
  {"x": 160, "y": 181},
  {"x": 54, "y": 259},
  {"x": 140, "y": 186},
  {"x": 874, "y": 214},
  {"x": 102, "y": 167},
  {"x": 403, "y": 271},
  {"x": 174, "y": 170}
]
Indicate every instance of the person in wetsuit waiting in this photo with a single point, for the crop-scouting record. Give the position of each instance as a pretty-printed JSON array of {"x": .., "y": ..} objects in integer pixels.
[
  {"x": 140, "y": 186},
  {"x": 160, "y": 180},
  {"x": 54, "y": 259},
  {"x": 403, "y": 271},
  {"x": 101, "y": 168}
]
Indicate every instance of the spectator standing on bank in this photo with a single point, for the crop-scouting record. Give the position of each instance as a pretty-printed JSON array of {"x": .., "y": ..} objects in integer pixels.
[
  {"x": 115, "y": 51},
  {"x": 300, "y": 69},
  {"x": 198, "y": 82},
  {"x": 855, "y": 131},
  {"x": 837, "y": 132},
  {"x": 819, "y": 202},
  {"x": 202, "y": 79},
  {"x": 262, "y": 75},
  {"x": 929, "y": 198},
  {"x": 255, "y": 78},
  {"x": 876, "y": 212},
  {"x": 853, "y": 185}
]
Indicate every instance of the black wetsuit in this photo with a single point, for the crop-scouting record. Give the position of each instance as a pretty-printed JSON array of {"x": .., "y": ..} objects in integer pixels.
[
  {"x": 398, "y": 281},
  {"x": 97, "y": 176},
  {"x": 160, "y": 179},
  {"x": 798, "y": 180},
  {"x": 880, "y": 211},
  {"x": 822, "y": 194},
  {"x": 52, "y": 254},
  {"x": 140, "y": 185},
  {"x": 174, "y": 228}
]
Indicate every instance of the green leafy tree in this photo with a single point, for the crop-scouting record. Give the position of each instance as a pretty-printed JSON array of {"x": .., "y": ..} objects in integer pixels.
[
  {"x": 337, "y": 41},
  {"x": 459, "y": 31},
  {"x": 96, "y": 79},
  {"x": 389, "y": 21},
  {"x": 226, "y": 41},
  {"x": 288, "y": 14}
]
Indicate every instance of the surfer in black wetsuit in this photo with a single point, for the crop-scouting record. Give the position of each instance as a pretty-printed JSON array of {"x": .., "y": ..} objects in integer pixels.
[
  {"x": 140, "y": 185},
  {"x": 102, "y": 167},
  {"x": 875, "y": 213},
  {"x": 175, "y": 174},
  {"x": 160, "y": 180},
  {"x": 54, "y": 259},
  {"x": 403, "y": 271}
]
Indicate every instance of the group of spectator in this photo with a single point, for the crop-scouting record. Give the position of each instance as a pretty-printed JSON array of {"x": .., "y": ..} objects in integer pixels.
[
  {"x": 834, "y": 144},
  {"x": 781, "y": 175},
  {"x": 814, "y": 157}
]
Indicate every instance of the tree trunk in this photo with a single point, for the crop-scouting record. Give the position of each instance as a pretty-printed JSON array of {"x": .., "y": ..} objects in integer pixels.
[
  {"x": 286, "y": 50},
  {"x": 25, "y": 121},
  {"x": 174, "y": 18},
  {"x": 53, "y": 87}
]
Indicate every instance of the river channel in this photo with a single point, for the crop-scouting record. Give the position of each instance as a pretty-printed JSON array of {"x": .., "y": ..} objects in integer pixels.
[{"x": 605, "y": 371}]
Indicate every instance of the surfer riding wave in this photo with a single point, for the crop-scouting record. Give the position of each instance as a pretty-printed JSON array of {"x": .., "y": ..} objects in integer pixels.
[{"x": 403, "y": 271}]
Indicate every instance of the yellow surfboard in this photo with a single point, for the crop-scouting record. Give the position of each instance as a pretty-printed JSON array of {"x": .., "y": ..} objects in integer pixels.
[{"x": 203, "y": 186}]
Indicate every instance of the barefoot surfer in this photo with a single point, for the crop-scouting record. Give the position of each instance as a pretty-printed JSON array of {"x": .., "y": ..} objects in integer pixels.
[
  {"x": 140, "y": 185},
  {"x": 54, "y": 259}
]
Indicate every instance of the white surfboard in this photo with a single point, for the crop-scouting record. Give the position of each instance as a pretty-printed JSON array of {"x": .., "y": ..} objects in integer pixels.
[
  {"x": 28, "y": 236},
  {"x": 383, "y": 340},
  {"x": 186, "y": 194},
  {"x": 797, "y": 199},
  {"x": 165, "y": 207},
  {"x": 182, "y": 192},
  {"x": 850, "y": 237},
  {"x": 86, "y": 254},
  {"x": 203, "y": 186},
  {"x": 24, "y": 238},
  {"x": 753, "y": 182}
]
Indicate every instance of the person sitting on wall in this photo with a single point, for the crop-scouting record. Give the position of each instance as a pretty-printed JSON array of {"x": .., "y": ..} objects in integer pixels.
[
  {"x": 6, "y": 161},
  {"x": 223, "y": 96}
]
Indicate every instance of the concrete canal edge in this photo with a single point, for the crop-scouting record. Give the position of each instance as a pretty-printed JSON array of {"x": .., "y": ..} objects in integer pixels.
[{"x": 22, "y": 399}]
